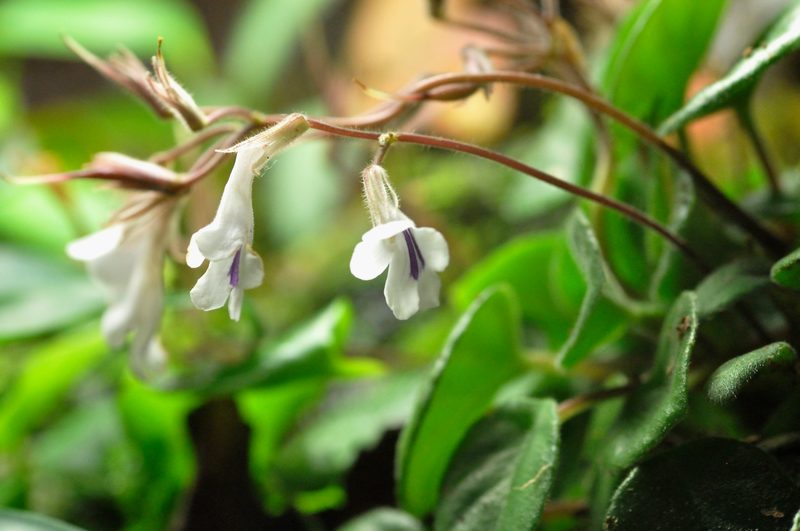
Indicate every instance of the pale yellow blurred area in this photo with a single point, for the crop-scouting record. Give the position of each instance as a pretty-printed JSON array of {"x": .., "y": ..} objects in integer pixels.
[{"x": 394, "y": 42}]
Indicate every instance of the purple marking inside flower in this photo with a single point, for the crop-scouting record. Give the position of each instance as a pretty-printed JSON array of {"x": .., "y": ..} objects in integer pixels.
[
  {"x": 415, "y": 259},
  {"x": 234, "y": 271}
]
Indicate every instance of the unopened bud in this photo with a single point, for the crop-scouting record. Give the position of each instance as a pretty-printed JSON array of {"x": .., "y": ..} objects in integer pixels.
[{"x": 380, "y": 197}]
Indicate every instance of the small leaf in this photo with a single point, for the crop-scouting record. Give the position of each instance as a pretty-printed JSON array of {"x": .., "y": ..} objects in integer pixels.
[
  {"x": 32, "y": 302},
  {"x": 310, "y": 351},
  {"x": 737, "y": 86},
  {"x": 46, "y": 378},
  {"x": 482, "y": 353},
  {"x": 383, "y": 519},
  {"x": 599, "y": 319},
  {"x": 654, "y": 28},
  {"x": 660, "y": 402},
  {"x": 729, "y": 283},
  {"x": 731, "y": 376},
  {"x": 25, "y": 521},
  {"x": 786, "y": 271},
  {"x": 353, "y": 419},
  {"x": 544, "y": 277},
  {"x": 706, "y": 484},
  {"x": 501, "y": 475}
]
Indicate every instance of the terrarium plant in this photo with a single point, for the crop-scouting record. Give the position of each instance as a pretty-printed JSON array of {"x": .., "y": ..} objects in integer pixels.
[{"x": 588, "y": 320}]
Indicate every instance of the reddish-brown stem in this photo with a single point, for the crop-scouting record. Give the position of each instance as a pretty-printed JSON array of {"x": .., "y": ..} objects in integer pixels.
[
  {"x": 206, "y": 134},
  {"x": 463, "y": 147},
  {"x": 708, "y": 190}
]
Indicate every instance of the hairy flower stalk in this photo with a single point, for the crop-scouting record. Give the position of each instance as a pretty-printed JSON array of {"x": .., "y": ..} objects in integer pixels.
[
  {"x": 413, "y": 255},
  {"x": 227, "y": 241},
  {"x": 127, "y": 258}
]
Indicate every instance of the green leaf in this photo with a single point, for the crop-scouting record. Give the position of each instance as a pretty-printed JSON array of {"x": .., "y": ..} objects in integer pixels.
[
  {"x": 266, "y": 25},
  {"x": 32, "y": 298},
  {"x": 45, "y": 380},
  {"x": 481, "y": 354},
  {"x": 383, "y": 519},
  {"x": 544, "y": 277},
  {"x": 354, "y": 418},
  {"x": 796, "y": 522},
  {"x": 156, "y": 423},
  {"x": 34, "y": 27},
  {"x": 732, "y": 375},
  {"x": 706, "y": 484},
  {"x": 501, "y": 475},
  {"x": 737, "y": 86},
  {"x": 661, "y": 401},
  {"x": 644, "y": 55},
  {"x": 599, "y": 319},
  {"x": 312, "y": 350},
  {"x": 25, "y": 521},
  {"x": 271, "y": 412},
  {"x": 729, "y": 283},
  {"x": 786, "y": 271}
]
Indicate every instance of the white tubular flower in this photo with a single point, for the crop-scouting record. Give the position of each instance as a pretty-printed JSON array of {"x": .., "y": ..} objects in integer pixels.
[
  {"x": 227, "y": 241},
  {"x": 127, "y": 259},
  {"x": 413, "y": 255}
]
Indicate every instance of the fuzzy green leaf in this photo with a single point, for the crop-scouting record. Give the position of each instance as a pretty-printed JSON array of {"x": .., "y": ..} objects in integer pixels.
[
  {"x": 598, "y": 319},
  {"x": 706, "y": 484},
  {"x": 737, "y": 86},
  {"x": 481, "y": 354},
  {"x": 354, "y": 418},
  {"x": 727, "y": 284},
  {"x": 661, "y": 401},
  {"x": 504, "y": 468},
  {"x": 786, "y": 271},
  {"x": 732, "y": 375},
  {"x": 644, "y": 40}
]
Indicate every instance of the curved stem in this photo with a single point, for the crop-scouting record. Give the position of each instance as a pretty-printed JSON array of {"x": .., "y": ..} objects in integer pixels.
[
  {"x": 709, "y": 191},
  {"x": 463, "y": 147}
]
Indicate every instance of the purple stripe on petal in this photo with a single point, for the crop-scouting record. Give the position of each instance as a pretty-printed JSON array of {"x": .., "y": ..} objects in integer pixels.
[
  {"x": 415, "y": 259},
  {"x": 234, "y": 271}
]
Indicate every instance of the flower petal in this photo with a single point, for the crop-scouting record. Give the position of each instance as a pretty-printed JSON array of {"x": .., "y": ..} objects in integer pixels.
[
  {"x": 428, "y": 288},
  {"x": 220, "y": 239},
  {"x": 213, "y": 287},
  {"x": 96, "y": 244},
  {"x": 387, "y": 230},
  {"x": 251, "y": 270},
  {"x": 235, "y": 303},
  {"x": 370, "y": 259},
  {"x": 434, "y": 248},
  {"x": 194, "y": 258},
  {"x": 401, "y": 289}
]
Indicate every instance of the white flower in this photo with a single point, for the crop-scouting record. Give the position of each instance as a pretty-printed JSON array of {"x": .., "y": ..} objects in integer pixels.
[
  {"x": 226, "y": 242},
  {"x": 413, "y": 255},
  {"x": 127, "y": 259}
]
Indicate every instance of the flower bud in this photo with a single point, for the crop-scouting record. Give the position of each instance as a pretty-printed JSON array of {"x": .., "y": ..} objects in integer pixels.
[{"x": 379, "y": 196}]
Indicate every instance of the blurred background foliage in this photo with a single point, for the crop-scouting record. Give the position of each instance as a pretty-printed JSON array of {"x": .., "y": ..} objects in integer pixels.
[{"x": 289, "y": 419}]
